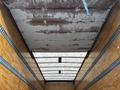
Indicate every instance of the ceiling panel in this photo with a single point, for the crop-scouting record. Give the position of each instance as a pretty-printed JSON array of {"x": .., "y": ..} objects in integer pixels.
[
  {"x": 59, "y": 25},
  {"x": 59, "y": 65},
  {"x": 56, "y": 60},
  {"x": 56, "y": 72},
  {"x": 59, "y": 54},
  {"x": 59, "y": 75},
  {"x": 47, "y": 60},
  {"x": 68, "y": 72},
  {"x": 58, "y": 4},
  {"x": 59, "y": 68},
  {"x": 72, "y": 60},
  {"x": 50, "y": 72},
  {"x": 60, "y": 78}
]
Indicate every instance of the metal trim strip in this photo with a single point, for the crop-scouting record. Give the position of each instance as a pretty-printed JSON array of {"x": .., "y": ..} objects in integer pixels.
[
  {"x": 16, "y": 73},
  {"x": 18, "y": 53},
  {"x": 104, "y": 73},
  {"x": 107, "y": 45}
]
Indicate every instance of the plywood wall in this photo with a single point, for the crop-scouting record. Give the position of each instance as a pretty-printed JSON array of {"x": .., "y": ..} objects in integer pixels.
[
  {"x": 111, "y": 54},
  {"x": 59, "y": 86},
  {"x": 8, "y": 81}
]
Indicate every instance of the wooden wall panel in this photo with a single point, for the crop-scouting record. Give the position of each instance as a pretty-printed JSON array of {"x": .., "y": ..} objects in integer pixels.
[
  {"x": 59, "y": 86},
  {"x": 11, "y": 57},
  {"x": 9, "y": 54},
  {"x": 13, "y": 33},
  {"x": 112, "y": 54},
  {"x": 8, "y": 81},
  {"x": 109, "y": 82},
  {"x": 106, "y": 59}
]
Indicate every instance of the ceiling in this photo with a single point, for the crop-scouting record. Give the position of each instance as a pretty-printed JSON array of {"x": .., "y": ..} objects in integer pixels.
[
  {"x": 59, "y": 25},
  {"x": 57, "y": 66},
  {"x": 53, "y": 26}
]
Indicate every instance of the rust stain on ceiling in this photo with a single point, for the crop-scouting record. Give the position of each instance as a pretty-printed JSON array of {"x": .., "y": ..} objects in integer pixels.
[
  {"x": 47, "y": 21},
  {"x": 59, "y": 25},
  {"x": 58, "y": 4}
]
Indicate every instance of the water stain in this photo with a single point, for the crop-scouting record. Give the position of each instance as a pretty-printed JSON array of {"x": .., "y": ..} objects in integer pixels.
[
  {"x": 54, "y": 32},
  {"x": 75, "y": 44},
  {"x": 37, "y": 21},
  {"x": 91, "y": 29},
  {"x": 41, "y": 48},
  {"x": 47, "y": 45}
]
